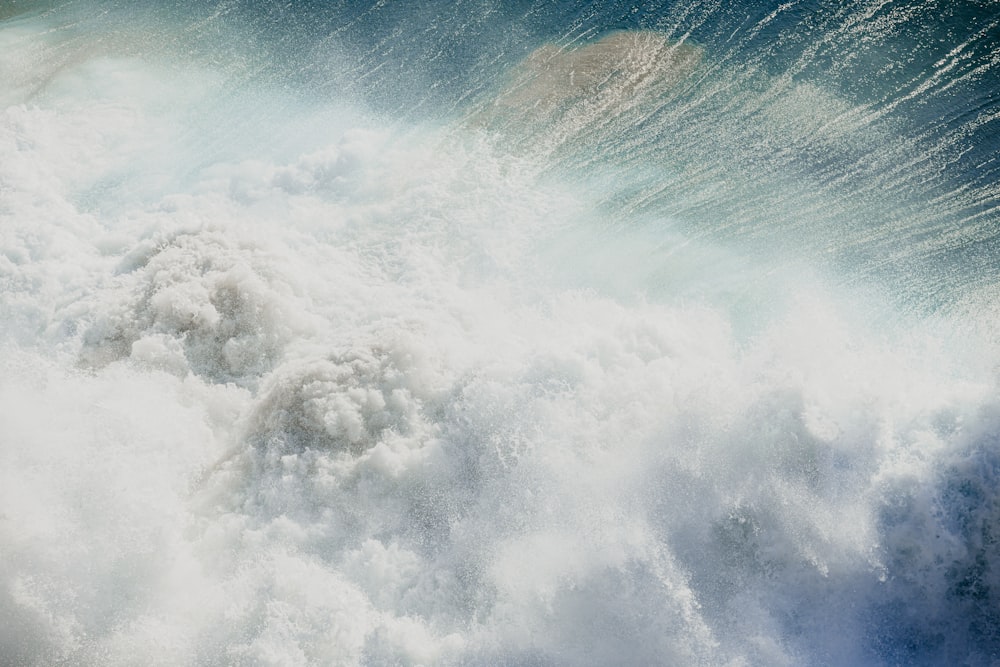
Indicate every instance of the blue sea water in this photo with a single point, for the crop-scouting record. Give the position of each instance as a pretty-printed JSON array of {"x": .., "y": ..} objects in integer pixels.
[{"x": 478, "y": 333}]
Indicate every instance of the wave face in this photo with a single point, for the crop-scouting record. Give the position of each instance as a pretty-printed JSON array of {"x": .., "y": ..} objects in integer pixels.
[{"x": 475, "y": 333}]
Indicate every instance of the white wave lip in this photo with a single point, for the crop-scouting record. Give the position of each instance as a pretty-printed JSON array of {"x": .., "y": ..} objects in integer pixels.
[{"x": 350, "y": 404}]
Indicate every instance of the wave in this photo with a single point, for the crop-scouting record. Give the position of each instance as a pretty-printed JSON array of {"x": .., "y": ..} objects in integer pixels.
[{"x": 546, "y": 334}]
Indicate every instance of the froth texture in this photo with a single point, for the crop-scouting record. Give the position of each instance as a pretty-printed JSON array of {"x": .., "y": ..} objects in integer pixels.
[{"x": 405, "y": 396}]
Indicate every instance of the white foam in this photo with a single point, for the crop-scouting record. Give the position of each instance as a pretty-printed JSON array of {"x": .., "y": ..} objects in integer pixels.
[{"x": 341, "y": 407}]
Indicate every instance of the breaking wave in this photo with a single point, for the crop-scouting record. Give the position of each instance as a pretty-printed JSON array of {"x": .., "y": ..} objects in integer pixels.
[{"x": 549, "y": 333}]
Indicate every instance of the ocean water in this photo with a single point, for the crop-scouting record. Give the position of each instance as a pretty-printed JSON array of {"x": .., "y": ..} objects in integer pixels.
[{"x": 481, "y": 333}]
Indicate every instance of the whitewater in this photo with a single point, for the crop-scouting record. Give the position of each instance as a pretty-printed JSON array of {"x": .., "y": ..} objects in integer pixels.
[{"x": 477, "y": 333}]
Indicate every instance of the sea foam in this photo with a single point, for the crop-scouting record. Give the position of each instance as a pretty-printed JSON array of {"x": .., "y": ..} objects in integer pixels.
[{"x": 411, "y": 395}]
